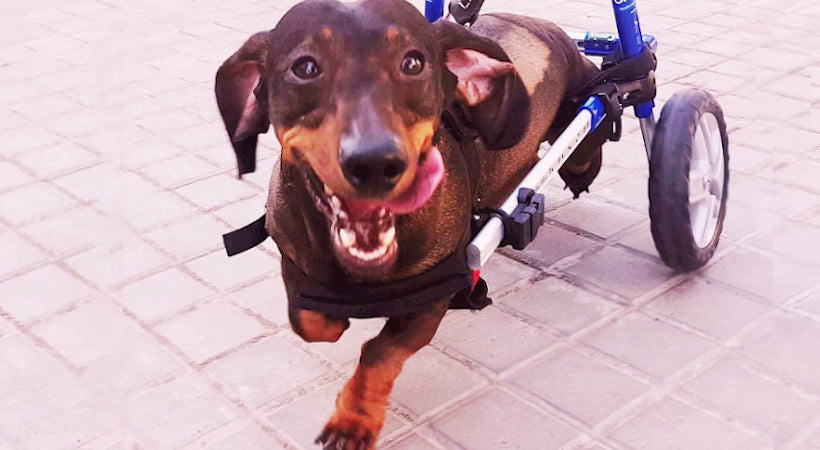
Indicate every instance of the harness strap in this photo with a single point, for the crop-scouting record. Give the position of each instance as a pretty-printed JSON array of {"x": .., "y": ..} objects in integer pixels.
[
  {"x": 245, "y": 238},
  {"x": 449, "y": 277},
  {"x": 396, "y": 298}
]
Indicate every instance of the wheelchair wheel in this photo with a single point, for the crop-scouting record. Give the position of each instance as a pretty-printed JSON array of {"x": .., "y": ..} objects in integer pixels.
[{"x": 688, "y": 179}]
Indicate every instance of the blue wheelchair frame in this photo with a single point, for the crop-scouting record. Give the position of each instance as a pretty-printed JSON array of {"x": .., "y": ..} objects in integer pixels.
[
  {"x": 629, "y": 39},
  {"x": 631, "y": 42}
]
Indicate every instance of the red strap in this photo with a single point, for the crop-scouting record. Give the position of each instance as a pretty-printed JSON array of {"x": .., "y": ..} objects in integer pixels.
[{"x": 476, "y": 277}]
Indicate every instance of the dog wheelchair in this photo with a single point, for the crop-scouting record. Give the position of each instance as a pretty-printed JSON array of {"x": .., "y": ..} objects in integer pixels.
[{"x": 687, "y": 147}]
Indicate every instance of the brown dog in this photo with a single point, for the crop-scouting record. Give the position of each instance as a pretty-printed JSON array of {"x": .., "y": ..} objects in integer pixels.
[{"x": 372, "y": 188}]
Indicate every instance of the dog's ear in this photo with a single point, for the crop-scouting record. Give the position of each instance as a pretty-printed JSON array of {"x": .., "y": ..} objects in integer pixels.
[
  {"x": 479, "y": 75},
  {"x": 242, "y": 99}
]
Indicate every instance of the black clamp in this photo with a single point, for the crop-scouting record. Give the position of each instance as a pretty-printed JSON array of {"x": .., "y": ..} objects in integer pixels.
[
  {"x": 520, "y": 227},
  {"x": 620, "y": 84},
  {"x": 465, "y": 11},
  {"x": 610, "y": 96}
]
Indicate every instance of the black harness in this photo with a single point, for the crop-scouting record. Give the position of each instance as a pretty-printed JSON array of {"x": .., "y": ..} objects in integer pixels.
[{"x": 451, "y": 276}]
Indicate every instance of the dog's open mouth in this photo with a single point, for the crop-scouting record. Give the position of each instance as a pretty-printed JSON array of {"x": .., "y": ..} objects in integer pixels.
[{"x": 363, "y": 232}]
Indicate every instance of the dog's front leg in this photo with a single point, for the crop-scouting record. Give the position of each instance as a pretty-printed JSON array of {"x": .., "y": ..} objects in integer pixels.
[{"x": 360, "y": 407}]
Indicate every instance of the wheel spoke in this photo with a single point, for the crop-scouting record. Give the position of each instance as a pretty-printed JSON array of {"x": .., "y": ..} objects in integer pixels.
[
  {"x": 696, "y": 187},
  {"x": 698, "y": 199}
]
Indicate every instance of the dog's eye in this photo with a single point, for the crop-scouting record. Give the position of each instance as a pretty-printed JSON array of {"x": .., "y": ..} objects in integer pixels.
[
  {"x": 306, "y": 68},
  {"x": 413, "y": 63}
]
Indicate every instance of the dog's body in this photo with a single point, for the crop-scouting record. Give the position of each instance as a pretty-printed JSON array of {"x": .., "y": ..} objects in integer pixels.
[{"x": 336, "y": 124}]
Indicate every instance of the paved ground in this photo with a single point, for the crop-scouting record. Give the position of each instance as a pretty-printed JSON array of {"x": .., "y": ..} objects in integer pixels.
[{"x": 122, "y": 323}]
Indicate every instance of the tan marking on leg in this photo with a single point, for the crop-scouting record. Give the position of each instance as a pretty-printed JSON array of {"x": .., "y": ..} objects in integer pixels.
[
  {"x": 361, "y": 405},
  {"x": 317, "y": 327}
]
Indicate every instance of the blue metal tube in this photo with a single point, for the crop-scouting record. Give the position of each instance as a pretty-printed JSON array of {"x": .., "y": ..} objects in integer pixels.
[
  {"x": 433, "y": 10},
  {"x": 629, "y": 30}
]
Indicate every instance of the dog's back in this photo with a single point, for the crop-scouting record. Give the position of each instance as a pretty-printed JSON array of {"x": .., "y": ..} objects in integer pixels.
[{"x": 551, "y": 68}]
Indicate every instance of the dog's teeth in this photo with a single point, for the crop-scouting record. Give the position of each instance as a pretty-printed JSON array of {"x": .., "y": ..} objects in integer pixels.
[
  {"x": 337, "y": 204},
  {"x": 328, "y": 191},
  {"x": 382, "y": 213},
  {"x": 368, "y": 256},
  {"x": 387, "y": 237},
  {"x": 347, "y": 237}
]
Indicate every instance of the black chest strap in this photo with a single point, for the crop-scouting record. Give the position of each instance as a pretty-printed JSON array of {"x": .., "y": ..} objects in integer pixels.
[
  {"x": 395, "y": 298},
  {"x": 450, "y": 277}
]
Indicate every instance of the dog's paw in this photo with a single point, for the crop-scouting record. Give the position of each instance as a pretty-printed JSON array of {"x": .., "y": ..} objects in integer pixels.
[{"x": 346, "y": 432}]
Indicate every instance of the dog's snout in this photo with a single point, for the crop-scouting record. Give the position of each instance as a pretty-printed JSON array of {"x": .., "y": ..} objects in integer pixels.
[{"x": 374, "y": 169}]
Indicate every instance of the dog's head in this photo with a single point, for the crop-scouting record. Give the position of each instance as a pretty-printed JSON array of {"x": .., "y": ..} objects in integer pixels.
[{"x": 355, "y": 93}]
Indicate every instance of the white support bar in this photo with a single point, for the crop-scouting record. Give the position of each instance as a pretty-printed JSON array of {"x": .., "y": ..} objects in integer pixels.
[{"x": 490, "y": 237}]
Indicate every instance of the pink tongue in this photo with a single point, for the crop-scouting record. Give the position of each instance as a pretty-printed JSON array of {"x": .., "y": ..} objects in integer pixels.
[{"x": 428, "y": 178}]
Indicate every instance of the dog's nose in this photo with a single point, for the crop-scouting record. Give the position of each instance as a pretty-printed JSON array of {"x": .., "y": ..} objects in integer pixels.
[{"x": 374, "y": 169}]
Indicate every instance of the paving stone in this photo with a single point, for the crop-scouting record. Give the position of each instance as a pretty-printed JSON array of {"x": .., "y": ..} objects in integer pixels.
[
  {"x": 708, "y": 307},
  {"x": 178, "y": 170},
  {"x": 17, "y": 254},
  {"x": 32, "y": 201},
  {"x": 412, "y": 442},
  {"x": 811, "y": 304},
  {"x": 188, "y": 237},
  {"x": 628, "y": 190},
  {"x": 772, "y": 277},
  {"x": 581, "y": 386},
  {"x": 41, "y": 291},
  {"x": 105, "y": 181},
  {"x": 27, "y": 369},
  {"x": 163, "y": 293},
  {"x": 640, "y": 238},
  {"x": 115, "y": 262},
  {"x": 499, "y": 420},
  {"x": 266, "y": 298},
  {"x": 452, "y": 379},
  {"x": 303, "y": 419},
  {"x": 621, "y": 272},
  {"x": 11, "y": 176},
  {"x": 241, "y": 213},
  {"x": 225, "y": 273},
  {"x": 115, "y": 352},
  {"x": 683, "y": 427},
  {"x": 216, "y": 191},
  {"x": 554, "y": 244},
  {"x": 62, "y": 158},
  {"x": 249, "y": 437},
  {"x": 199, "y": 336},
  {"x": 46, "y": 107},
  {"x": 779, "y": 411},
  {"x": 72, "y": 230},
  {"x": 743, "y": 220},
  {"x": 789, "y": 349},
  {"x": 144, "y": 212},
  {"x": 493, "y": 339},
  {"x": 559, "y": 304},
  {"x": 649, "y": 344},
  {"x": 781, "y": 139},
  {"x": 500, "y": 272},
  {"x": 596, "y": 216},
  {"x": 177, "y": 413},
  {"x": 266, "y": 370},
  {"x": 57, "y": 417},
  {"x": 795, "y": 240}
]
